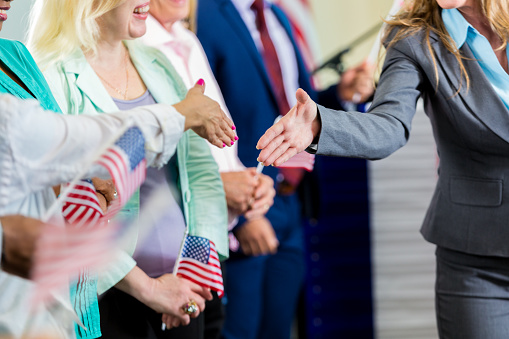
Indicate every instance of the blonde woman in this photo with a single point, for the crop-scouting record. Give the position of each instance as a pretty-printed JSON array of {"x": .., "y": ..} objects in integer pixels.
[
  {"x": 453, "y": 54},
  {"x": 94, "y": 67}
]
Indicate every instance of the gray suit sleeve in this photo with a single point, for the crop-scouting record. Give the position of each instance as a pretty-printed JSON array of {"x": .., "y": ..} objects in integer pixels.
[{"x": 386, "y": 126}]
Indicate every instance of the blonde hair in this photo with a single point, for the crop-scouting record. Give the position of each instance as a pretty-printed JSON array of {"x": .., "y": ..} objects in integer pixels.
[
  {"x": 59, "y": 27},
  {"x": 425, "y": 15},
  {"x": 190, "y": 20}
]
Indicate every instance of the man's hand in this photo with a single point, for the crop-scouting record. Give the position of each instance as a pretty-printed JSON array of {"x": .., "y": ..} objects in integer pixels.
[
  {"x": 357, "y": 84},
  {"x": 239, "y": 188},
  {"x": 292, "y": 134},
  {"x": 20, "y": 235},
  {"x": 257, "y": 237},
  {"x": 263, "y": 197}
]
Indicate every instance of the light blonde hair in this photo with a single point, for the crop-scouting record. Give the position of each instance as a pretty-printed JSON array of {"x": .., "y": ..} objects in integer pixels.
[
  {"x": 190, "y": 20},
  {"x": 59, "y": 27},
  {"x": 425, "y": 15}
]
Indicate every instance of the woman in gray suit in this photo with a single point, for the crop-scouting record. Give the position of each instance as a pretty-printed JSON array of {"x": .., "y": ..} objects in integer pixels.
[{"x": 454, "y": 55}]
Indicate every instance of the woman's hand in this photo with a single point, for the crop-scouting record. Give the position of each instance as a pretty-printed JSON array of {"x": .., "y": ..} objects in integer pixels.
[
  {"x": 292, "y": 134},
  {"x": 205, "y": 117},
  {"x": 105, "y": 191},
  {"x": 166, "y": 294}
]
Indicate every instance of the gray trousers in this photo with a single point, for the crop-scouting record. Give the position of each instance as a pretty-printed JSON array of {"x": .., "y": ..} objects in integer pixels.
[{"x": 472, "y": 296}]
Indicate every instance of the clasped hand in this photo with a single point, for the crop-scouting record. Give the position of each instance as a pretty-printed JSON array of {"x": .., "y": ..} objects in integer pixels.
[{"x": 248, "y": 193}]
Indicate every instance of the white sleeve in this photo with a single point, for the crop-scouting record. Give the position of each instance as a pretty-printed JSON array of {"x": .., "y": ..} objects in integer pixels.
[
  {"x": 39, "y": 149},
  {"x": 1, "y": 244}
]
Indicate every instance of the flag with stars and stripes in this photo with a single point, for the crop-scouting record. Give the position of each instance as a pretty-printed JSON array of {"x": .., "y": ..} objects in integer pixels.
[
  {"x": 65, "y": 252},
  {"x": 81, "y": 205},
  {"x": 200, "y": 264},
  {"x": 125, "y": 161}
]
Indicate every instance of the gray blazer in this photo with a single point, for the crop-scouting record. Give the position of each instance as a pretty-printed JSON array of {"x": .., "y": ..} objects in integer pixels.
[{"x": 469, "y": 211}]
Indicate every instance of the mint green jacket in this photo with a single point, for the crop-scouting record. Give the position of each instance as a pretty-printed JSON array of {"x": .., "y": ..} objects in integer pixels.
[{"x": 78, "y": 90}]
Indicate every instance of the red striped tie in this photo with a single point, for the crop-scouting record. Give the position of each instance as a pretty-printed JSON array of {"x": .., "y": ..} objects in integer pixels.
[
  {"x": 292, "y": 176},
  {"x": 270, "y": 59}
]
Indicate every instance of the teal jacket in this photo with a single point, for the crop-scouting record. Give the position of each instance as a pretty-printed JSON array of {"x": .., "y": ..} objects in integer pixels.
[
  {"x": 78, "y": 90},
  {"x": 17, "y": 58}
]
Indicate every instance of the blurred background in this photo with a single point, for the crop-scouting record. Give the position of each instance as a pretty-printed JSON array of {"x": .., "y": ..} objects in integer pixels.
[{"x": 370, "y": 273}]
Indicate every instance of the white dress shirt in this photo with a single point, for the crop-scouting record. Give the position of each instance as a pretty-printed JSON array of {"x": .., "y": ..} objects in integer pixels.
[
  {"x": 284, "y": 47},
  {"x": 41, "y": 149},
  {"x": 184, "y": 50},
  {"x": 192, "y": 64}
]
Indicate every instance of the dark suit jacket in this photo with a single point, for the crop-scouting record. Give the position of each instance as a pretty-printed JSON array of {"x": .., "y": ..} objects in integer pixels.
[
  {"x": 469, "y": 210},
  {"x": 245, "y": 85}
]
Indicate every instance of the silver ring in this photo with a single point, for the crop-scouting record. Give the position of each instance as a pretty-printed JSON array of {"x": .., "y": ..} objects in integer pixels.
[{"x": 115, "y": 194}]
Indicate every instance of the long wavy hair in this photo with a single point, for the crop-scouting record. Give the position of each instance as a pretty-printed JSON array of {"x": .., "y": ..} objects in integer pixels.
[
  {"x": 425, "y": 15},
  {"x": 59, "y": 27}
]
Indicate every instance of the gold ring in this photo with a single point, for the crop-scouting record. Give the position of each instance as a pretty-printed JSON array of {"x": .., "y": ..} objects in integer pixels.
[{"x": 190, "y": 307}]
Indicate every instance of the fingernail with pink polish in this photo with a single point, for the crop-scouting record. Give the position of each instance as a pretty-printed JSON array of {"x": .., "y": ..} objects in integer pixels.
[
  {"x": 224, "y": 145},
  {"x": 236, "y": 138},
  {"x": 234, "y": 128},
  {"x": 201, "y": 82},
  {"x": 233, "y": 142}
]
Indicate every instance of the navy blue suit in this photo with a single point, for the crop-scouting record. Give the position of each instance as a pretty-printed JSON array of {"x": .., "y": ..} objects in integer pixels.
[{"x": 261, "y": 292}]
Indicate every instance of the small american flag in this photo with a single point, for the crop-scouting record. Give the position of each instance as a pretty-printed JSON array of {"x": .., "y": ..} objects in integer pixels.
[
  {"x": 81, "y": 205},
  {"x": 200, "y": 264},
  {"x": 125, "y": 161},
  {"x": 62, "y": 252}
]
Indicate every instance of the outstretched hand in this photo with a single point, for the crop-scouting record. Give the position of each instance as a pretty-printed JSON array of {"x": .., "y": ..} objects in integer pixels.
[
  {"x": 292, "y": 134},
  {"x": 205, "y": 117}
]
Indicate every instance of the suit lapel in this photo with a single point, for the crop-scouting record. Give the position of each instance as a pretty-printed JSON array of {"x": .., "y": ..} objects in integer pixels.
[
  {"x": 233, "y": 17},
  {"x": 481, "y": 99}
]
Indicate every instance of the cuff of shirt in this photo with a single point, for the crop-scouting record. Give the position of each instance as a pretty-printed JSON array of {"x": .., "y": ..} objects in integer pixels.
[
  {"x": 313, "y": 147},
  {"x": 172, "y": 126}
]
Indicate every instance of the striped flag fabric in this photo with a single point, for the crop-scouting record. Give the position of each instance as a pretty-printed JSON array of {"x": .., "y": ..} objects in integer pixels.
[
  {"x": 125, "y": 161},
  {"x": 81, "y": 205},
  {"x": 63, "y": 252},
  {"x": 200, "y": 264}
]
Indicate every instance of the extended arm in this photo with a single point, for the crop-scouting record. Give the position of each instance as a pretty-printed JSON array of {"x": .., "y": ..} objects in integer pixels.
[
  {"x": 377, "y": 134},
  {"x": 42, "y": 149}
]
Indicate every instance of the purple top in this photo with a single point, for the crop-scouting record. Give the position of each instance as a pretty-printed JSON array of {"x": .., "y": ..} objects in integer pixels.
[{"x": 157, "y": 252}]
